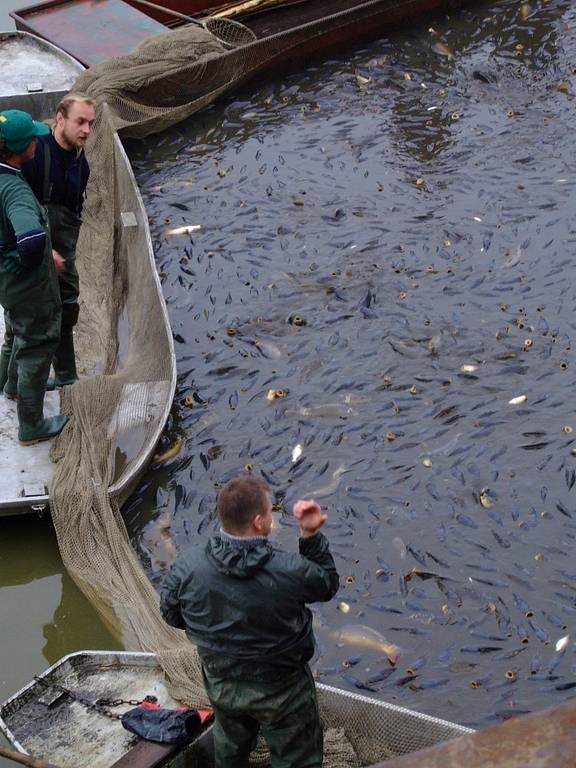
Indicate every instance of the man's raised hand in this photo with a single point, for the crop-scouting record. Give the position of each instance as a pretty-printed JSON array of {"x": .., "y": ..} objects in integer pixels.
[{"x": 309, "y": 515}]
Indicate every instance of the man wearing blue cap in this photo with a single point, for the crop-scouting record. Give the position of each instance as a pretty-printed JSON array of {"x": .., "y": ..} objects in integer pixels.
[{"x": 28, "y": 283}]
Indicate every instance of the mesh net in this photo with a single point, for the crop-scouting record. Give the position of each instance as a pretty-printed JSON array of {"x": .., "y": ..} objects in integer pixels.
[
  {"x": 122, "y": 339},
  {"x": 119, "y": 407}
]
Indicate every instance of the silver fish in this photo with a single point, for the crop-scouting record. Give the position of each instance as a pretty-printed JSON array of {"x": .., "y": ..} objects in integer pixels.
[
  {"x": 366, "y": 637},
  {"x": 328, "y": 409},
  {"x": 326, "y": 490},
  {"x": 296, "y": 453},
  {"x": 442, "y": 49},
  {"x": 187, "y": 229}
]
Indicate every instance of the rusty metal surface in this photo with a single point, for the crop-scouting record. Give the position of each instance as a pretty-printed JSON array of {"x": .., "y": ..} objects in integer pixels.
[
  {"x": 544, "y": 739},
  {"x": 146, "y": 754},
  {"x": 90, "y": 32}
]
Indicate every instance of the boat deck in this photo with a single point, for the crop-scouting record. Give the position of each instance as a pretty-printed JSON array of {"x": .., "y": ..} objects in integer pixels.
[
  {"x": 26, "y": 471},
  {"x": 90, "y": 32},
  {"x": 53, "y": 714},
  {"x": 35, "y": 75}
]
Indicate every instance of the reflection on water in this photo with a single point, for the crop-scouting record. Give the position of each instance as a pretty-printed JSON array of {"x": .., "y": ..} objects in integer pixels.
[
  {"x": 44, "y": 615},
  {"x": 411, "y": 204},
  {"x": 86, "y": 632}
]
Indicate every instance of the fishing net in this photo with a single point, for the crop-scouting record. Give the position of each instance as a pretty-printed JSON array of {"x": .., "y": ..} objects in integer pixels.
[{"x": 119, "y": 407}]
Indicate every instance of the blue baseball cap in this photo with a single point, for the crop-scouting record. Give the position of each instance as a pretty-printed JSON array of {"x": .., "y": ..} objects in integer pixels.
[{"x": 17, "y": 129}]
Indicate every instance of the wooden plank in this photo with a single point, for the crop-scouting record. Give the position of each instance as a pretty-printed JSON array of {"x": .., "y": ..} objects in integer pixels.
[
  {"x": 147, "y": 754},
  {"x": 544, "y": 739}
]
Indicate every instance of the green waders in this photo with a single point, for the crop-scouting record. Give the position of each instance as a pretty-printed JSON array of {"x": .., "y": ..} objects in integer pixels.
[
  {"x": 285, "y": 711},
  {"x": 64, "y": 231},
  {"x": 5, "y": 352},
  {"x": 33, "y": 313}
]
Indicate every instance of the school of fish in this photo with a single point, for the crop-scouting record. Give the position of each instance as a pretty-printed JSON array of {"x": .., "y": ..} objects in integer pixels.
[{"x": 374, "y": 304}]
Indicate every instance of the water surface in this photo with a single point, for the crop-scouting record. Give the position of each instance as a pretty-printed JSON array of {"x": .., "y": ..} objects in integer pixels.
[
  {"x": 415, "y": 209},
  {"x": 411, "y": 204}
]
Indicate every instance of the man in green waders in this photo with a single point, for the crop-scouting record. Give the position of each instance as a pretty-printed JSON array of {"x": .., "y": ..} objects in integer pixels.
[
  {"x": 58, "y": 175},
  {"x": 28, "y": 283},
  {"x": 242, "y": 602}
]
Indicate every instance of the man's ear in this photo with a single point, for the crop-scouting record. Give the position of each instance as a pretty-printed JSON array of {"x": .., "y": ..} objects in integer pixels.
[{"x": 258, "y": 522}]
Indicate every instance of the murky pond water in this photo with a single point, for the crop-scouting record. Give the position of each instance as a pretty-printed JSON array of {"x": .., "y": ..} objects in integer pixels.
[
  {"x": 43, "y": 615},
  {"x": 387, "y": 239},
  {"x": 385, "y": 244}
]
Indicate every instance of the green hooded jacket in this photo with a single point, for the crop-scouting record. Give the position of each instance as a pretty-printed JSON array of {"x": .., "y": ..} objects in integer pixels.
[{"x": 243, "y": 602}]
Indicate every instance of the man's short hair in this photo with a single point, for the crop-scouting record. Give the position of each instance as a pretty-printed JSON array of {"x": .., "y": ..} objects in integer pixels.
[
  {"x": 5, "y": 154},
  {"x": 73, "y": 98},
  {"x": 240, "y": 500}
]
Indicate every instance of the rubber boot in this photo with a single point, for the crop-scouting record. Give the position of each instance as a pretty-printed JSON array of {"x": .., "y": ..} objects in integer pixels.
[
  {"x": 5, "y": 356},
  {"x": 33, "y": 427},
  {"x": 64, "y": 363},
  {"x": 10, "y": 387}
]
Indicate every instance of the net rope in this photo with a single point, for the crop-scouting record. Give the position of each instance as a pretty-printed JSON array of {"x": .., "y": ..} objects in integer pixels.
[{"x": 124, "y": 347}]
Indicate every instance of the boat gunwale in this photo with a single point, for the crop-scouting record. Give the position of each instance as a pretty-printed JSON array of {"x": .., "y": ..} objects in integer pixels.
[{"x": 123, "y": 486}]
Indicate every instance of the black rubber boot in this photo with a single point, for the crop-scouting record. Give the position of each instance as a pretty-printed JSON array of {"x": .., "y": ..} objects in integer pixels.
[
  {"x": 10, "y": 386},
  {"x": 33, "y": 427},
  {"x": 64, "y": 363},
  {"x": 5, "y": 356}
]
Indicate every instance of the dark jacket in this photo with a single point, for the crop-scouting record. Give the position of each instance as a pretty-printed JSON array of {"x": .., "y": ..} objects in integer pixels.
[
  {"x": 242, "y": 603},
  {"x": 68, "y": 175},
  {"x": 23, "y": 225}
]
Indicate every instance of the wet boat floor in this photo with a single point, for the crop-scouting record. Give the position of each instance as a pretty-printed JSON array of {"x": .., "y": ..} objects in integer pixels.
[
  {"x": 26, "y": 470},
  {"x": 374, "y": 307},
  {"x": 53, "y": 718}
]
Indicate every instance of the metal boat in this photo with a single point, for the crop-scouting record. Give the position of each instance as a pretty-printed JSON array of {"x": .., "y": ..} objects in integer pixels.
[
  {"x": 35, "y": 76},
  {"x": 57, "y": 717}
]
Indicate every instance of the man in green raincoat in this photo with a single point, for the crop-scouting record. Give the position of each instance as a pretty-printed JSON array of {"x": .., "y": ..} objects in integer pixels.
[
  {"x": 28, "y": 283},
  {"x": 242, "y": 602}
]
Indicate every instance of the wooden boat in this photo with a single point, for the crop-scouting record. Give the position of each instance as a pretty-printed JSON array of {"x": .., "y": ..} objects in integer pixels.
[
  {"x": 53, "y": 717},
  {"x": 35, "y": 75}
]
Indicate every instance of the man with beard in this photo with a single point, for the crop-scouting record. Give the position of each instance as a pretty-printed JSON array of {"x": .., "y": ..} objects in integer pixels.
[{"x": 58, "y": 175}]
